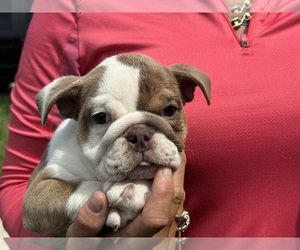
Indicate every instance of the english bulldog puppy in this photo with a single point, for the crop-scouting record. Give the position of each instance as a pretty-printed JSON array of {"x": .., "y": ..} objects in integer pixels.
[{"x": 123, "y": 119}]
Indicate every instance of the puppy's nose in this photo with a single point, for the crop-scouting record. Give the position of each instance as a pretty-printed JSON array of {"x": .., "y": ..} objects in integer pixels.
[{"x": 139, "y": 137}]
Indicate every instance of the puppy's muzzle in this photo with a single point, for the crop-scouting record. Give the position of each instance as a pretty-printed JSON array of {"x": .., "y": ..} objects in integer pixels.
[{"x": 139, "y": 137}]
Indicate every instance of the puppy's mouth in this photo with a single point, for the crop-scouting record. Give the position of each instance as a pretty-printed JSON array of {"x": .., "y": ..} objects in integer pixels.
[
  {"x": 138, "y": 149},
  {"x": 145, "y": 170},
  {"x": 144, "y": 164},
  {"x": 123, "y": 161}
]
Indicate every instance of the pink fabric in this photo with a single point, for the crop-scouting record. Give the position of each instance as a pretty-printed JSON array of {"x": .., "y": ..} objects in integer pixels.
[
  {"x": 157, "y": 6},
  {"x": 243, "y": 171}
]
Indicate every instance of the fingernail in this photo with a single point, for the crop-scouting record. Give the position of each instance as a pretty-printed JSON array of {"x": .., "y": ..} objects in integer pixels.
[
  {"x": 94, "y": 204},
  {"x": 167, "y": 173}
]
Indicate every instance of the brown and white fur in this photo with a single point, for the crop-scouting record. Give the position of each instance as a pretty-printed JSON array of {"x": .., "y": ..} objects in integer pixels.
[{"x": 125, "y": 118}]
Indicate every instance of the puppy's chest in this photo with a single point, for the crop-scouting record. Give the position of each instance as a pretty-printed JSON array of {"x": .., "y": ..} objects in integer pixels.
[{"x": 64, "y": 155}]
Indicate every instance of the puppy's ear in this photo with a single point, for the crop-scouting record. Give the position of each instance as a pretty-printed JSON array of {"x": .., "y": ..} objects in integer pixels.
[
  {"x": 65, "y": 93},
  {"x": 189, "y": 78}
]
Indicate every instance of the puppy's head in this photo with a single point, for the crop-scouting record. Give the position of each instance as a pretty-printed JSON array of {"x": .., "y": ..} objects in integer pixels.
[{"x": 129, "y": 113}]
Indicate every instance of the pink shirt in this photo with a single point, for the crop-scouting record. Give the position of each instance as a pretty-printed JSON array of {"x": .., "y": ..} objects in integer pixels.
[
  {"x": 243, "y": 171},
  {"x": 159, "y": 6}
]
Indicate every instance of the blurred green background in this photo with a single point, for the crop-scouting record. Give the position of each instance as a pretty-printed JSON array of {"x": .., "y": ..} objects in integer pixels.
[{"x": 4, "y": 119}]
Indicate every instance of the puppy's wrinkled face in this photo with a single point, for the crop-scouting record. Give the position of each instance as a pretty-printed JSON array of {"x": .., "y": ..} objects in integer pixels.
[{"x": 129, "y": 113}]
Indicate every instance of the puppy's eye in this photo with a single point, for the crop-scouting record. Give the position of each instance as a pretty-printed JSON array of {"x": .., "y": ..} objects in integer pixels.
[
  {"x": 101, "y": 118},
  {"x": 170, "y": 110}
]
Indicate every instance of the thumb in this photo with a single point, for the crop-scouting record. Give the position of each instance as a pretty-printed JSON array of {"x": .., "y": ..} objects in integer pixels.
[{"x": 91, "y": 217}]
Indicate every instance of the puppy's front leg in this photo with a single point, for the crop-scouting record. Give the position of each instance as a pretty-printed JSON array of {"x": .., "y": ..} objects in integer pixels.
[
  {"x": 44, "y": 204},
  {"x": 50, "y": 205},
  {"x": 80, "y": 196}
]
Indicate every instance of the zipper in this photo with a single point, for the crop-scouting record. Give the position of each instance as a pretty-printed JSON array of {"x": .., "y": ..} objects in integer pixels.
[
  {"x": 245, "y": 45},
  {"x": 244, "y": 41}
]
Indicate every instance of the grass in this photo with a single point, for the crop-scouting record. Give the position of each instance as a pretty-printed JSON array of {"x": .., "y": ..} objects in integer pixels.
[{"x": 4, "y": 118}]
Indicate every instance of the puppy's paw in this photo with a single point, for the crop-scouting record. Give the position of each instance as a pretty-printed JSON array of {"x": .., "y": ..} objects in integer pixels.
[
  {"x": 128, "y": 195},
  {"x": 126, "y": 199},
  {"x": 122, "y": 200},
  {"x": 113, "y": 219}
]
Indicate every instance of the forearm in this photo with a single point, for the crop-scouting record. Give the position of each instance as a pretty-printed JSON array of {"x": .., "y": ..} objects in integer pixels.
[{"x": 43, "y": 59}]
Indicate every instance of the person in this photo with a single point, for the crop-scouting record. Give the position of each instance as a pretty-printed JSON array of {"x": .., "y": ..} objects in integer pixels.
[{"x": 241, "y": 171}]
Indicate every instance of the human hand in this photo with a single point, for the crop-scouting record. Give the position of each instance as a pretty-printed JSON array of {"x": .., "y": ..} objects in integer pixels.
[
  {"x": 90, "y": 218},
  {"x": 177, "y": 202},
  {"x": 157, "y": 217}
]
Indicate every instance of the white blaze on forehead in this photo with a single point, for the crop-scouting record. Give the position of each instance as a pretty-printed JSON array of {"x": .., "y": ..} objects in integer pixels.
[{"x": 121, "y": 83}]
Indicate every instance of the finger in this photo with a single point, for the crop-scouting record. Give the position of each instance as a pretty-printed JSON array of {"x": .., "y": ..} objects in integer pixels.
[
  {"x": 91, "y": 217},
  {"x": 177, "y": 202},
  {"x": 179, "y": 194},
  {"x": 155, "y": 214}
]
